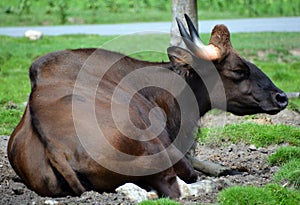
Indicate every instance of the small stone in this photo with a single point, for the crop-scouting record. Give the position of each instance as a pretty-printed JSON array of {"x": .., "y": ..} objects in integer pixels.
[
  {"x": 18, "y": 188},
  {"x": 197, "y": 188},
  {"x": 231, "y": 148},
  {"x": 133, "y": 192},
  {"x": 252, "y": 147},
  {"x": 222, "y": 183},
  {"x": 50, "y": 202},
  {"x": 33, "y": 35},
  {"x": 263, "y": 150}
]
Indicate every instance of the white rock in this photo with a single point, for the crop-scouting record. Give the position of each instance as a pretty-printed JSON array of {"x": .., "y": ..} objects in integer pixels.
[
  {"x": 50, "y": 202},
  {"x": 33, "y": 35},
  {"x": 195, "y": 189},
  {"x": 135, "y": 193},
  {"x": 252, "y": 147},
  {"x": 184, "y": 188}
]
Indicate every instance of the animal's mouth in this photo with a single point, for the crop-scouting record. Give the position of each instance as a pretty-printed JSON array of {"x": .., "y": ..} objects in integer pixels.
[
  {"x": 241, "y": 110},
  {"x": 273, "y": 112}
]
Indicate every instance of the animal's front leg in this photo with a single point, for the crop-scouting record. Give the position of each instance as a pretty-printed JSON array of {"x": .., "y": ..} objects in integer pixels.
[
  {"x": 185, "y": 171},
  {"x": 183, "y": 168},
  {"x": 165, "y": 183}
]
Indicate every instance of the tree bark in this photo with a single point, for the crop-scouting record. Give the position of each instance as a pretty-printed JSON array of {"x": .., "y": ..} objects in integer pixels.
[{"x": 179, "y": 8}]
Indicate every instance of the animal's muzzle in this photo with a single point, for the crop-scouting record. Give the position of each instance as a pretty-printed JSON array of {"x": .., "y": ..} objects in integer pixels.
[{"x": 281, "y": 100}]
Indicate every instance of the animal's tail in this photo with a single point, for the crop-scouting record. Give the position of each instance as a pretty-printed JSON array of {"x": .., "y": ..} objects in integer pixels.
[{"x": 56, "y": 155}]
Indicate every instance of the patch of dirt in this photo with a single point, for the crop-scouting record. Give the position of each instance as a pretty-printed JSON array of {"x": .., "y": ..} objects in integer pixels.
[{"x": 250, "y": 161}]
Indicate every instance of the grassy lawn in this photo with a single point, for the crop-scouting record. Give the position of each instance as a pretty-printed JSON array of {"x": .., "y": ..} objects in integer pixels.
[
  {"x": 50, "y": 12},
  {"x": 161, "y": 201},
  {"x": 284, "y": 155},
  {"x": 251, "y": 133},
  {"x": 271, "y": 194}
]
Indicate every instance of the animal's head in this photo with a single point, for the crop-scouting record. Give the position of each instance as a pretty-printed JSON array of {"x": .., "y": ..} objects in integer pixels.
[{"x": 247, "y": 89}]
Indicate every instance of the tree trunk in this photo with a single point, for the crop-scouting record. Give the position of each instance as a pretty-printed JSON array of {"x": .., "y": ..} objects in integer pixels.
[{"x": 179, "y": 8}]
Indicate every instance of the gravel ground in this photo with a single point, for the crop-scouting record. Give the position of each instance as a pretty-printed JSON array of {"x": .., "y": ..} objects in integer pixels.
[{"x": 249, "y": 160}]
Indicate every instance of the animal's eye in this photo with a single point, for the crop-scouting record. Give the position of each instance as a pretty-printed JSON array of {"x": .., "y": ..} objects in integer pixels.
[{"x": 239, "y": 72}]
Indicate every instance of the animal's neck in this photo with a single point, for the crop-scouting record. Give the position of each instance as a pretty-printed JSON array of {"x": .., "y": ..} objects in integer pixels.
[
  {"x": 195, "y": 83},
  {"x": 200, "y": 93},
  {"x": 171, "y": 105}
]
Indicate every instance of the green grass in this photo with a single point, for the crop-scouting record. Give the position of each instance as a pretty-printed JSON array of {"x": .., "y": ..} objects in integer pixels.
[
  {"x": 289, "y": 158},
  {"x": 274, "y": 41},
  {"x": 271, "y": 194},
  {"x": 161, "y": 201},
  {"x": 284, "y": 154},
  {"x": 251, "y": 133},
  {"x": 50, "y": 12},
  {"x": 289, "y": 172},
  {"x": 9, "y": 118}
]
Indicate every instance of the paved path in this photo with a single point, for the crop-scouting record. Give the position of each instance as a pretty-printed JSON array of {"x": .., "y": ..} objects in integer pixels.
[{"x": 286, "y": 24}]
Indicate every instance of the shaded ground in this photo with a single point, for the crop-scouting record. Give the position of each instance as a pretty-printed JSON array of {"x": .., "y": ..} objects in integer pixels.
[{"x": 247, "y": 159}]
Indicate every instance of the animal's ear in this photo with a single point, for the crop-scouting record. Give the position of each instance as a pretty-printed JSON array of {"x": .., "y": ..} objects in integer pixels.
[
  {"x": 220, "y": 37},
  {"x": 179, "y": 56}
]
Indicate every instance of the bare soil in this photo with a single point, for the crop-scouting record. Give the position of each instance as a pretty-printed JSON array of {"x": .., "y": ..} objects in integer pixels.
[{"x": 249, "y": 160}]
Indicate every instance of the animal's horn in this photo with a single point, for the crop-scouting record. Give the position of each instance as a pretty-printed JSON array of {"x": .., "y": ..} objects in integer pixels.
[
  {"x": 194, "y": 43},
  {"x": 182, "y": 30},
  {"x": 193, "y": 31}
]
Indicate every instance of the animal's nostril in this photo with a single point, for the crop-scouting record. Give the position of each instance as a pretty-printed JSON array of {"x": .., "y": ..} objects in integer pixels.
[{"x": 281, "y": 99}]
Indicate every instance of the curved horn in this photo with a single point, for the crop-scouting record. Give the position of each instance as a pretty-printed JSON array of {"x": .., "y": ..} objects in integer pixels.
[
  {"x": 193, "y": 31},
  {"x": 182, "y": 30},
  {"x": 194, "y": 43}
]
